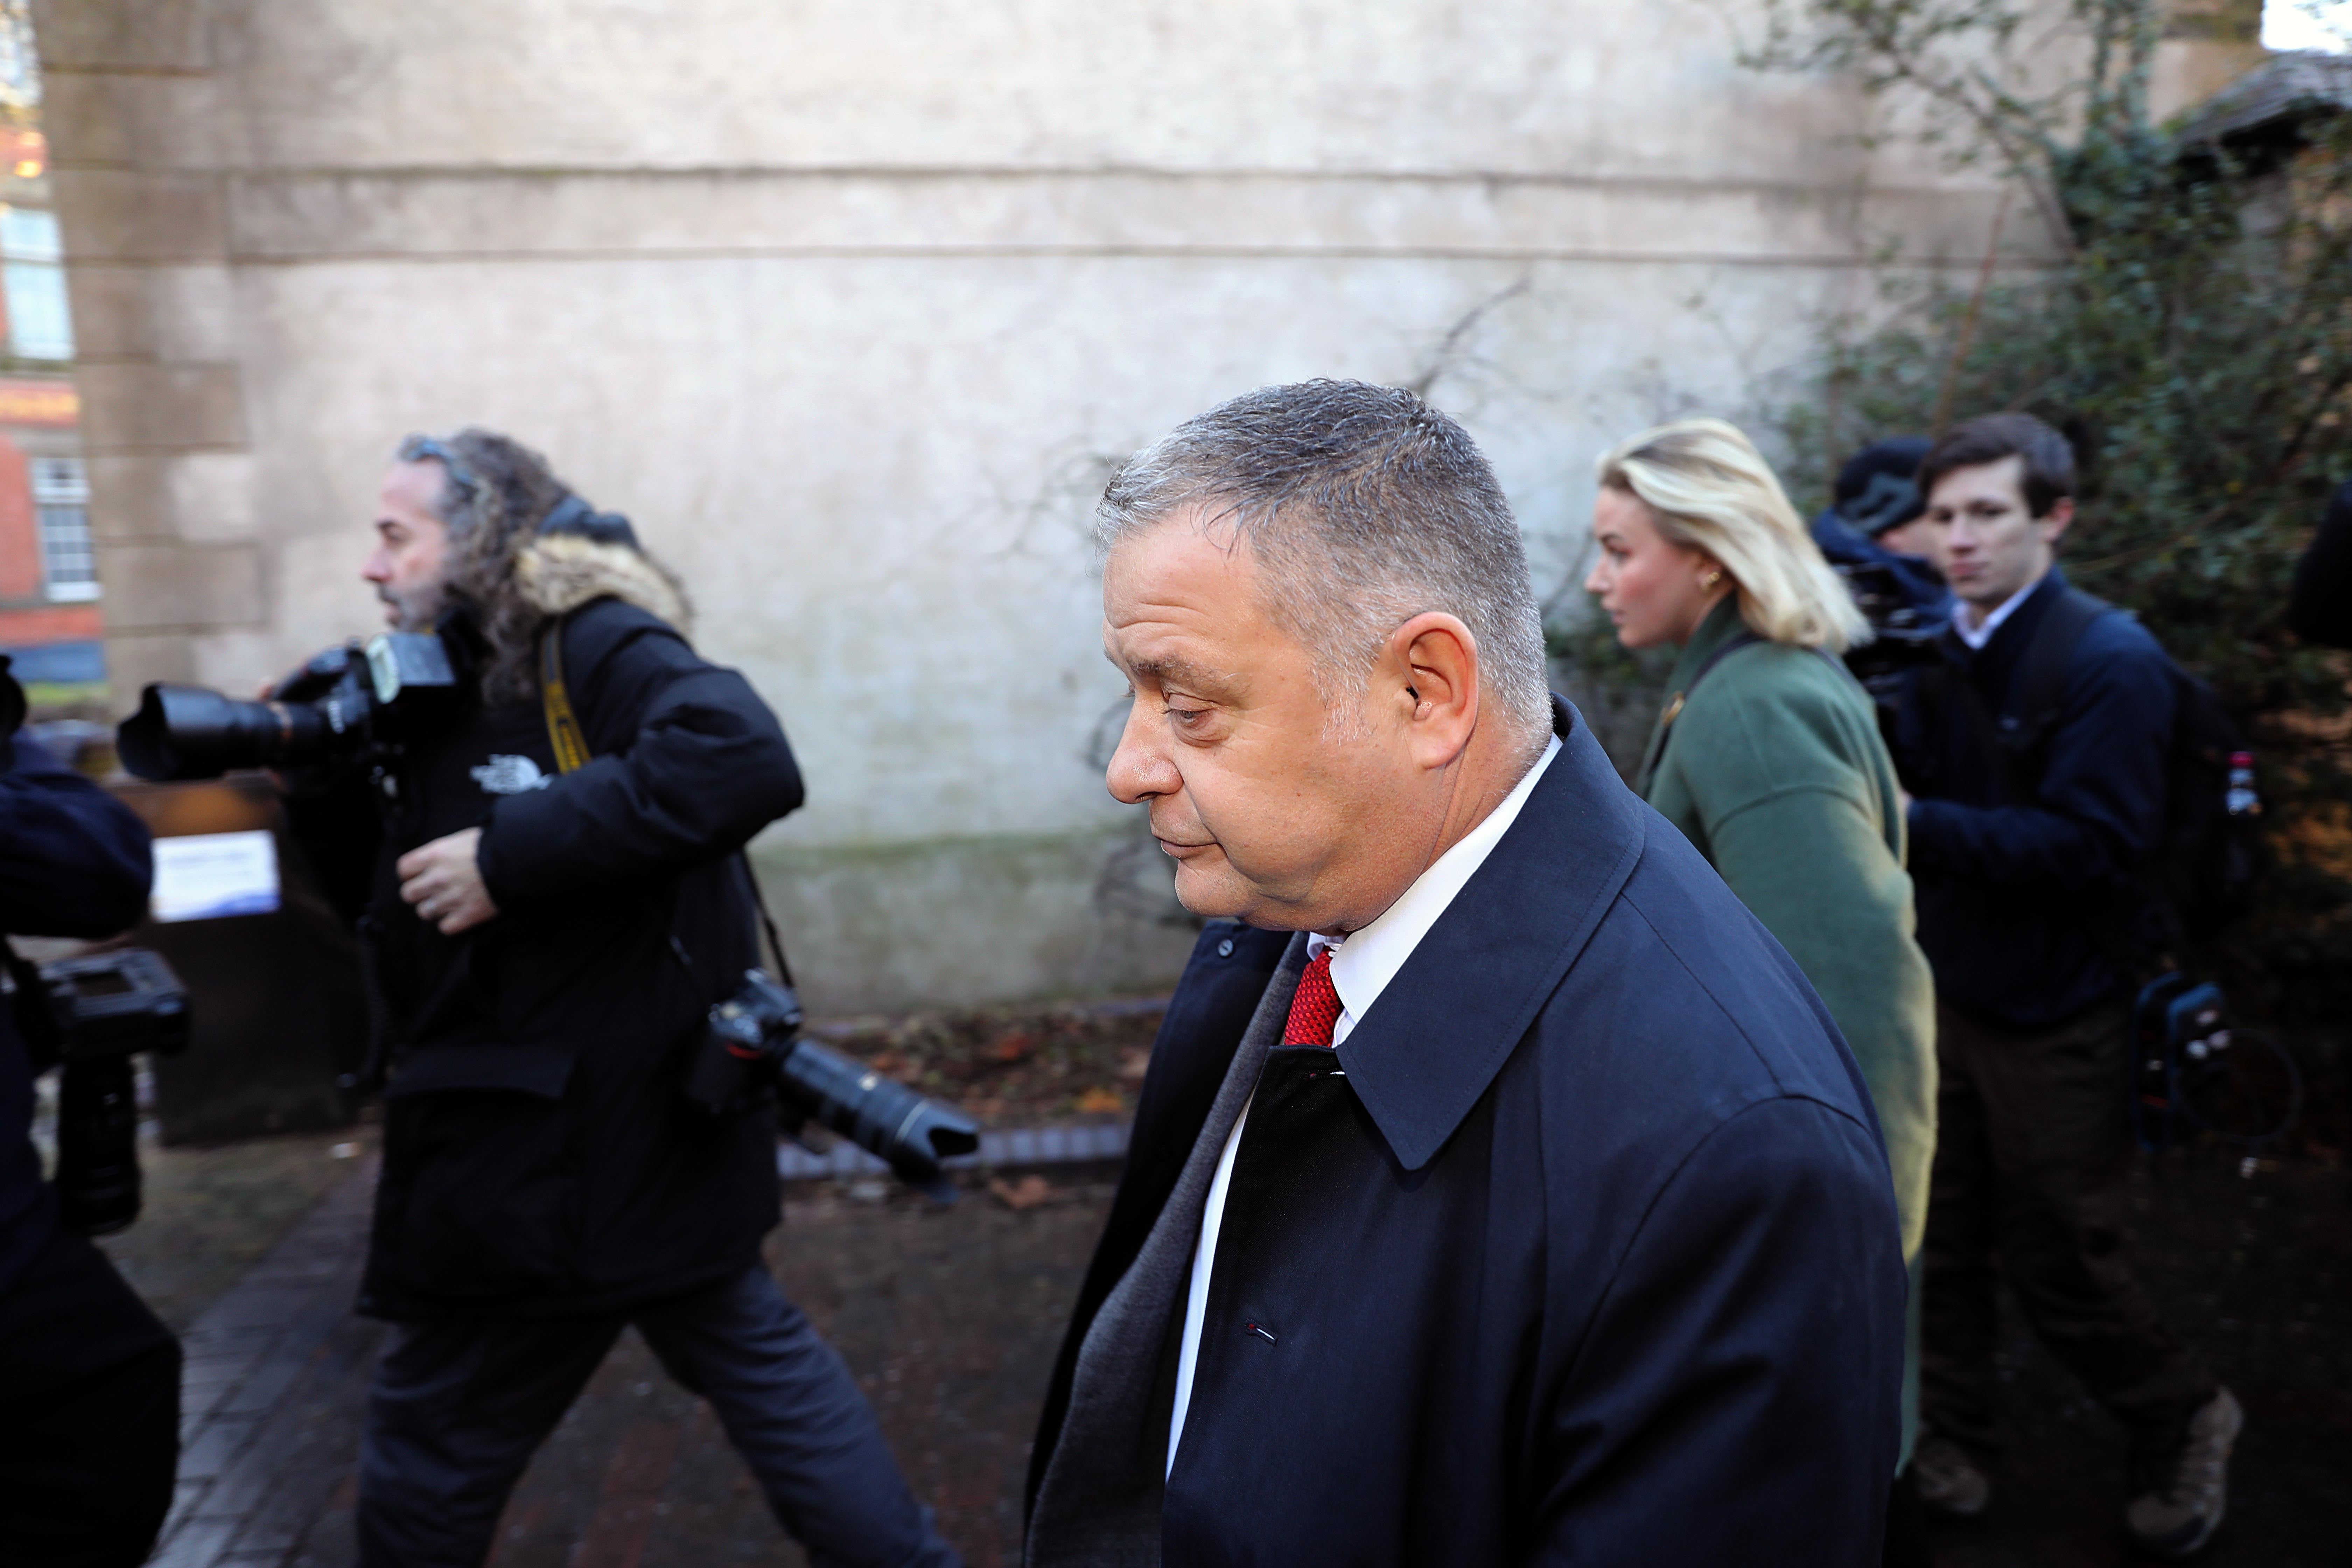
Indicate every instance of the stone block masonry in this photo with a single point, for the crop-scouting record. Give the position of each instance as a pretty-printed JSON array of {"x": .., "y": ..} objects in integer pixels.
[{"x": 852, "y": 306}]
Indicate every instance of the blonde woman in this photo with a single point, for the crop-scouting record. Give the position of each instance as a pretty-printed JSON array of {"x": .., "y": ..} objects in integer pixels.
[{"x": 1767, "y": 754}]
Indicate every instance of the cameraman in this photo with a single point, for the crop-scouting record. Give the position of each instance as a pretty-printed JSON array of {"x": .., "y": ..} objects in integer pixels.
[
  {"x": 547, "y": 931},
  {"x": 90, "y": 1381},
  {"x": 1873, "y": 525}
]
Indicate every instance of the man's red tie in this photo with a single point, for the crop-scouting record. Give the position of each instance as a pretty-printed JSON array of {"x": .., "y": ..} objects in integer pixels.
[{"x": 1313, "y": 1006}]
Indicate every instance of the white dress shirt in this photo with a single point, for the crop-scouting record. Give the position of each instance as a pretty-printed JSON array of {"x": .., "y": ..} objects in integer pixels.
[
  {"x": 1362, "y": 965},
  {"x": 1976, "y": 636}
]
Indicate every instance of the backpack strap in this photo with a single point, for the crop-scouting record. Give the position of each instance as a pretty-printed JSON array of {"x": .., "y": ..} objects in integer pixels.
[
  {"x": 1674, "y": 704},
  {"x": 571, "y": 745},
  {"x": 1739, "y": 639}
]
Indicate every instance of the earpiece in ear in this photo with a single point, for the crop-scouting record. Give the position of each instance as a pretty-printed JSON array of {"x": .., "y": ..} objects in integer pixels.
[{"x": 1408, "y": 691}]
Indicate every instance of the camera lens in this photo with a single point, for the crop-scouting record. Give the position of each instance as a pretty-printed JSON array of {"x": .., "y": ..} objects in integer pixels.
[
  {"x": 191, "y": 732},
  {"x": 884, "y": 1118},
  {"x": 98, "y": 1146}
]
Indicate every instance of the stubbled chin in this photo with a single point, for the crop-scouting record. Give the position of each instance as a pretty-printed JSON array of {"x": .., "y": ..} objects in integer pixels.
[{"x": 1208, "y": 891}]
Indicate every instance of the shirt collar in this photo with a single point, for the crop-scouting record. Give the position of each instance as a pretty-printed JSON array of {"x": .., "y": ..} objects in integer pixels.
[
  {"x": 1420, "y": 1060},
  {"x": 1363, "y": 962},
  {"x": 1981, "y": 633}
]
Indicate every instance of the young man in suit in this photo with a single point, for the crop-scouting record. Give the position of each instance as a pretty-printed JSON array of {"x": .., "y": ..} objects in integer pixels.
[{"x": 1500, "y": 1192}]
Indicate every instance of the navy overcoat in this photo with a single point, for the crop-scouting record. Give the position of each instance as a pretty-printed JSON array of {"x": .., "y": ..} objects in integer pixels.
[{"x": 1586, "y": 1253}]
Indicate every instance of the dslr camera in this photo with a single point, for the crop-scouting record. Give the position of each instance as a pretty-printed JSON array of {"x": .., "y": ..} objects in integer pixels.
[
  {"x": 347, "y": 702},
  {"x": 752, "y": 1053},
  {"x": 90, "y": 1016},
  {"x": 1902, "y": 638}
]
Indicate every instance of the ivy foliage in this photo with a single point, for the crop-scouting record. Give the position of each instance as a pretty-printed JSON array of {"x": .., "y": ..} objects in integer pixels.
[{"x": 2191, "y": 333}]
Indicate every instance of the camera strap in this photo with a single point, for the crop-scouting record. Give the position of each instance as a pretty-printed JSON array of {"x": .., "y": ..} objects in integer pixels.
[
  {"x": 36, "y": 1025},
  {"x": 1742, "y": 639},
  {"x": 570, "y": 742},
  {"x": 564, "y": 731}
]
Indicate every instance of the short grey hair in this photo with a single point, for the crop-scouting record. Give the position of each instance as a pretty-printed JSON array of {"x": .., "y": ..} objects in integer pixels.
[{"x": 1366, "y": 507}]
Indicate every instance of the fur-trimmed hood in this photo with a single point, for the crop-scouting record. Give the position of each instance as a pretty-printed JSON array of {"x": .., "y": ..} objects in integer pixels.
[{"x": 559, "y": 573}]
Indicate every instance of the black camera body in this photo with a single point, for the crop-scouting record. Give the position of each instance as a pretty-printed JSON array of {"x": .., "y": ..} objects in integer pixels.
[
  {"x": 345, "y": 702},
  {"x": 2193, "y": 1071},
  {"x": 752, "y": 1052},
  {"x": 113, "y": 1005},
  {"x": 90, "y": 1016},
  {"x": 1900, "y": 637}
]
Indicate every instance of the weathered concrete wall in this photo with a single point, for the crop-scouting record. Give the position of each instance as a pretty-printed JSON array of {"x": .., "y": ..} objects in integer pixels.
[{"x": 850, "y": 303}]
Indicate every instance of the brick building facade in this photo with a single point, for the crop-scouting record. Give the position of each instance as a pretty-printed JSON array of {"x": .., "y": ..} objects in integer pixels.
[{"x": 50, "y": 621}]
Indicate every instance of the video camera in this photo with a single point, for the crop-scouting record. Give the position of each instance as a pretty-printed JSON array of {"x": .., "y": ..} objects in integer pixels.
[
  {"x": 91, "y": 1015},
  {"x": 1902, "y": 637},
  {"x": 753, "y": 1047},
  {"x": 344, "y": 702}
]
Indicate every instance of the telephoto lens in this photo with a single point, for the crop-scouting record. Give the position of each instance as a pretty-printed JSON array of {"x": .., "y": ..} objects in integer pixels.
[
  {"x": 193, "y": 732},
  {"x": 101, "y": 1010},
  {"x": 98, "y": 1146},
  {"x": 754, "y": 1043},
  {"x": 880, "y": 1115},
  {"x": 400, "y": 686}
]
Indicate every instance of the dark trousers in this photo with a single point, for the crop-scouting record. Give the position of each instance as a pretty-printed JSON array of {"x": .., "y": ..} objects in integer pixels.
[
  {"x": 458, "y": 1406},
  {"x": 2031, "y": 1147},
  {"x": 89, "y": 1414}
]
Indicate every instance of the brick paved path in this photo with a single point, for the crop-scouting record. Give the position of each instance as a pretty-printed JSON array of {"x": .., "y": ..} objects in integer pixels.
[
  {"x": 949, "y": 1318},
  {"x": 269, "y": 1402}
]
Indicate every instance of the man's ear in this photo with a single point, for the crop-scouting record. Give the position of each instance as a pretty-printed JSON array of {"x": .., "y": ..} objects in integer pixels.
[
  {"x": 2055, "y": 521},
  {"x": 1430, "y": 676}
]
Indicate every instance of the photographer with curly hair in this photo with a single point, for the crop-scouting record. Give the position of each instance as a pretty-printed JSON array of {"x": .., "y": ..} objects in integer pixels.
[{"x": 551, "y": 895}]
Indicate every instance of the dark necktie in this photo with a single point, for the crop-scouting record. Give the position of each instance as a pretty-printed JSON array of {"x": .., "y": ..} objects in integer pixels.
[{"x": 1313, "y": 1006}]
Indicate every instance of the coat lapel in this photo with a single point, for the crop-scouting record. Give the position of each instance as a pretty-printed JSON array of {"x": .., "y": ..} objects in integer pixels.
[
  {"x": 1099, "y": 1503},
  {"x": 1424, "y": 1053}
]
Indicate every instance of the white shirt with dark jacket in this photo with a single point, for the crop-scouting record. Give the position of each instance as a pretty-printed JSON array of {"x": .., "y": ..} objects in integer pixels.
[{"x": 2026, "y": 897}]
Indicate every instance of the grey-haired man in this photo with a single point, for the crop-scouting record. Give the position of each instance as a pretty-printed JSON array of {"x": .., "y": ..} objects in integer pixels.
[{"x": 1500, "y": 1192}]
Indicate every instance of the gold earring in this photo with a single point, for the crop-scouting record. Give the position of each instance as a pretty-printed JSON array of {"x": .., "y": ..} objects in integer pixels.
[{"x": 1711, "y": 579}]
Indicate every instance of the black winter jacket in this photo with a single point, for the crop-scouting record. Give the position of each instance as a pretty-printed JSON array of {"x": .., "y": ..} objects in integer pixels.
[
  {"x": 2032, "y": 907},
  {"x": 1581, "y": 1249},
  {"x": 2320, "y": 610},
  {"x": 539, "y": 1157},
  {"x": 74, "y": 862}
]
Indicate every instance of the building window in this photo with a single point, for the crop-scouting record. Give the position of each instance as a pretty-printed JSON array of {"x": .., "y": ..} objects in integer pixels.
[
  {"x": 40, "y": 323},
  {"x": 61, "y": 502}
]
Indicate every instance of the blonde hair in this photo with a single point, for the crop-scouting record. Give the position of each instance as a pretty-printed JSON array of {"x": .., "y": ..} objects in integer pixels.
[{"x": 1709, "y": 490}]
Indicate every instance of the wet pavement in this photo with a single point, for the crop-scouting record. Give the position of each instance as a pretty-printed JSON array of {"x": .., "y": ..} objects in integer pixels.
[
  {"x": 2257, "y": 1275},
  {"x": 949, "y": 1319}
]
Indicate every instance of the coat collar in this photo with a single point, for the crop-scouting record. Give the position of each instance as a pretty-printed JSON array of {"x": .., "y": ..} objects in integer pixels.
[
  {"x": 1718, "y": 626},
  {"x": 1428, "y": 1048}
]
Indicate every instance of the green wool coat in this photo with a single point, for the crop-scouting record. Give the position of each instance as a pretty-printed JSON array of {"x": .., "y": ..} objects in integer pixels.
[{"x": 1774, "y": 768}]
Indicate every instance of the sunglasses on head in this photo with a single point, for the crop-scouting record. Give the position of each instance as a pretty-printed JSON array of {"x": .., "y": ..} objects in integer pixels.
[{"x": 417, "y": 448}]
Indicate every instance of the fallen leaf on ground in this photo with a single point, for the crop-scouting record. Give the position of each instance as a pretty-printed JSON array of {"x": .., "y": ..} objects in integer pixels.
[
  {"x": 1026, "y": 1194},
  {"x": 1101, "y": 1102}
]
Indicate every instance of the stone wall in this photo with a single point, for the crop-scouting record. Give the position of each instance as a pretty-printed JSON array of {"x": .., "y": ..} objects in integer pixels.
[{"x": 850, "y": 304}]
